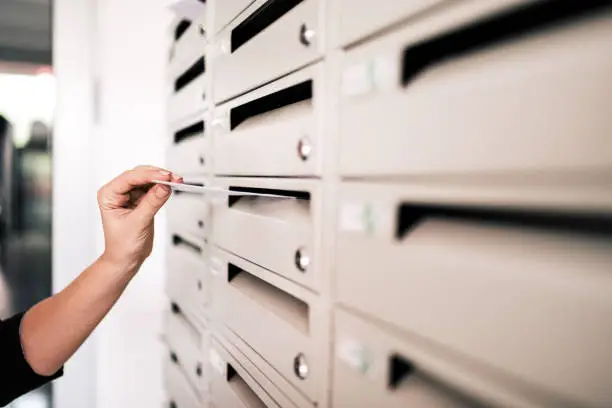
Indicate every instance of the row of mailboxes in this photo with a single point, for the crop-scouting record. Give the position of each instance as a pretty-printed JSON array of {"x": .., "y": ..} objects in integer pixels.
[{"x": 470, "y": 230}]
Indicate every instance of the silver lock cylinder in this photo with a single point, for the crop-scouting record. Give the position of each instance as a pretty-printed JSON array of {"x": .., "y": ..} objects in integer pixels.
[
  {"x": 302, "y": 259},
  {"x": 307, "y": 35},
  {"x": 304, "y": 148},
  {"x": 300, "y": 366}
]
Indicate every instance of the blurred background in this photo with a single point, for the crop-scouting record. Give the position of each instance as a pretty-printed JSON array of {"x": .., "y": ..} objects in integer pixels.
[
  {"x": 68, "y": 67},
  {"x": 27, "y": 101}
]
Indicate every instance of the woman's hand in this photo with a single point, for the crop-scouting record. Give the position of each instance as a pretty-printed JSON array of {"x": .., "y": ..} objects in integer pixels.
[
  {"x": 53, "y": 330},
  {"x": 128, "y": 205}
]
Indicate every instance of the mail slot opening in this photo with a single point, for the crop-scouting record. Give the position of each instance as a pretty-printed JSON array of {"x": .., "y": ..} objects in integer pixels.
[
  {"x": 302, "y": 196},
  {"x": 198, "y": 68},
  {"x": 261, "y": 19},
  {"x": 241, "y": 388},
  {"x": 399, "y": 369},
  {"x": 181, "y": 28},
  {"x": 179, "y": 241},
  {"x": 507, "y": 26},
  {"x": 403, "y": 374},
  {"x": 275, "y": 101},
  {"x": 284, "y": 305},
  {"x": 410, "y": 215},
  {"x": 189, "y": 131}
]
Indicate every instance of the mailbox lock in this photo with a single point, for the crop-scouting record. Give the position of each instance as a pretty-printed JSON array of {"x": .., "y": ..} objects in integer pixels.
[
  {"x": 306, "y": 35},
  {"x": 302, "y": 260},
  {"x": 304, "y": 148},
  {"x": 172, "y": 405},
  {"x": 199, "y": 370},
  {"x": 174, "y": 357},
  {"x": 201, "y": 159},
  {"x": 300, "y": 366}
]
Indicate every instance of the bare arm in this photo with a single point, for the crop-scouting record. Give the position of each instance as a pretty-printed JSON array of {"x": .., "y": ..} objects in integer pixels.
[{"x": 54, "y": 329}]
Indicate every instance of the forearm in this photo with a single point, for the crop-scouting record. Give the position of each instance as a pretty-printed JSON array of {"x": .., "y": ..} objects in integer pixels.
[{"x": 55, "y": 328}]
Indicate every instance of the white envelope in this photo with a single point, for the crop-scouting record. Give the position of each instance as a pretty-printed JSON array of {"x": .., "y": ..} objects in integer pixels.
[{"x": 190, "y": 188}]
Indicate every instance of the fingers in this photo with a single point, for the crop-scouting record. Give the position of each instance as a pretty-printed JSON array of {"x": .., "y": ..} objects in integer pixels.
[
  {"x": 152, "y": 201},
  {"x": 114, "y": 193},
  {"x": 137, "y": 177}
]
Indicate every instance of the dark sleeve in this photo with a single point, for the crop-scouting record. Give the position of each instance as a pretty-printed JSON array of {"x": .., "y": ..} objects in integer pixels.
[{"x": 17, "y": 377}]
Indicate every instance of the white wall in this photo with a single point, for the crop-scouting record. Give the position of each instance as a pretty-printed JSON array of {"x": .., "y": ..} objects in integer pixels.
[
  {"x": 74, "y": 192},
  {"x": 129, "y": 62}
]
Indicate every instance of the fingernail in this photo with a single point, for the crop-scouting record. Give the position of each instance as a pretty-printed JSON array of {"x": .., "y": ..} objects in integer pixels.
[
  {"x": 162, "y": 191},
  {"x": 164, "y": 173}
]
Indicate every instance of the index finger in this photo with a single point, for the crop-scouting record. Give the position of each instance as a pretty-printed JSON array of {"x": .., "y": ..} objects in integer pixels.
[{"x": 138, "y": 177}]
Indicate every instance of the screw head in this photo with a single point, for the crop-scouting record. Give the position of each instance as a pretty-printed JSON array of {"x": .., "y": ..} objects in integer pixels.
[
  {"x": 199, "y": 370},
  {"x": 300, "y": 366},
  {"x": 202, "y": 30}
]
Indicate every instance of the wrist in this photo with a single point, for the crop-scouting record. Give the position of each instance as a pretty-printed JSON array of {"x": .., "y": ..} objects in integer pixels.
[{"x": 121, "y": 266}]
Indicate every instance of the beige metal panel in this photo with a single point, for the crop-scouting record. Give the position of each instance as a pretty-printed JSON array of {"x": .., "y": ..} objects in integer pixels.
[
  {"x": 188, "y": 279},
  {"x": 187, "y": 49},
  {"x": 276, "y": 234},
  {"x": 180, "y": 392},
  {"x": 190, "y": 155},
  {"x": 249, "y": 298},
  {"x": 184, "y": 341},
  {"x": 358, "y": 18},
  {"x": 276, "y": 386},
  {"x": 365, "y": 357},
  {"x": 188, "y": 101},
  {"x": 188, "y": 213},
  {"x": 227, "y": 10},
  {"x": 281, "y": 43},
  {"x": 231, "y": 385},
  {"x": 532, "y": 303},
  {"x": 533, "y": 105},
  {"x": 283, "y": 141}
]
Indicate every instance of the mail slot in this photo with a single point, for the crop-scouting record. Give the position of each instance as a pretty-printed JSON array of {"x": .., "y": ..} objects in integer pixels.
[
  {"x": 523, "y": 290},
  {"x": 287, "y": 32},
  {"x": 180, "y": 393},
  {"x": 187, "y": 153},
  {"x": 275, "y": 233},
  {"x": 228, "y": 350},
  {"x": 375, "y": 368},
  {"x": 274, "y": 130},
  {"x": 231, "y": 384},
  {"x": 188, "y": 90},
  {"x": 189, "y": 40},
  {"x": 184, "y": 341},
  {"x": 250, "y": 297},
  {"x": 503, "y": 95}
]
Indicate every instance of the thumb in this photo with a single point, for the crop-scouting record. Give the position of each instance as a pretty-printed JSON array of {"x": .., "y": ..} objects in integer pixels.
[{"x": 155, "y": 199}]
